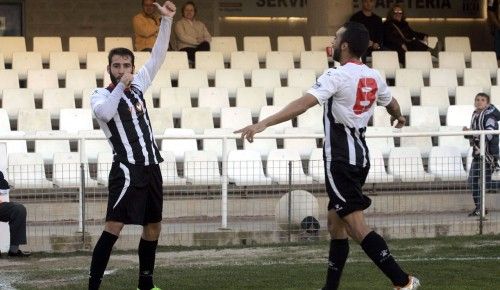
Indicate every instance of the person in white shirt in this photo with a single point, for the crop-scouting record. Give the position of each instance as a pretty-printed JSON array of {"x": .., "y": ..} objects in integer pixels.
[{"x": 348, "y": 95}]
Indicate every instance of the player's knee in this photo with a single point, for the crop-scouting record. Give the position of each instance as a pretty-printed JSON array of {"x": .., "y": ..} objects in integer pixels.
[
  {"x": 151, "y": 232},
  {"x": 357, "y": 233},
  {"x": 113, "y": 228},
  {"x": 336, "y": 230}
]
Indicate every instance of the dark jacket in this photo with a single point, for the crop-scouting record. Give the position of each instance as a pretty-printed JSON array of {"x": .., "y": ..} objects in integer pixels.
[
  {"x": 393, "y": 39},
  {"x": 373, "y": 23},
  {"x": 486, "y": 119},
  {"x": 4, "y": 185}
]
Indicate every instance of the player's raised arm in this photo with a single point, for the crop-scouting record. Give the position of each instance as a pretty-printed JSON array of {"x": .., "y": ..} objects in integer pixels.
[{"x": 159, "y": 51}]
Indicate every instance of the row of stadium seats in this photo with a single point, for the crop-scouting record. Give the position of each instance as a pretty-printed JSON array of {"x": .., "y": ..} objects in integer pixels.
[
  {"x": 385, "y": 61},
  {"x": 216, "y": 98},
  {"x": 196, "y": 81},
  {"x": 38, "y": 80},
  {"x": 223, "y": 44},
  {"x": 207, "y": 117},
  {"x": 263, "y": 145},
  {"x": 244, "y": 168}
]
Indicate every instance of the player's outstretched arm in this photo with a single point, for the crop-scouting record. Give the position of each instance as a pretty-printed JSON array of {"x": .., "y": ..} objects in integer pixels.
[
  {"x": 291, "y": 111},
  {"x": 395, "y": 111}
]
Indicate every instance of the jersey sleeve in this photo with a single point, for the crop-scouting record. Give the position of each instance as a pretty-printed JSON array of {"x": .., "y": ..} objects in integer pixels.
[
  {"x": 384, "y": 96},
  {"x": 105, "y": 104},
  {"x": 326, "y": 86},
  {"x": 147, "y": 73}
]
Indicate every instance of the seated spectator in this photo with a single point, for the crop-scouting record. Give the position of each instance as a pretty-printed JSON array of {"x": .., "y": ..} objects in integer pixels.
[
  {"x": 192, "y": 35},
  {"x": 373, "y": 23},
  {"x": 146, "y": 26},
  {"x": 15, "y": 214},
  {"x": 399, "y": 36}
]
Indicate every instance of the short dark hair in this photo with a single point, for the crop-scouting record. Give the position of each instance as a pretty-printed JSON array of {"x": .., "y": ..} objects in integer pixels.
[
  {"x": 484, "y": 95},
  {"x": 186, "y": 4},
  {"x": 357, "y": 38},
  {"x": 122, "y": 51}
]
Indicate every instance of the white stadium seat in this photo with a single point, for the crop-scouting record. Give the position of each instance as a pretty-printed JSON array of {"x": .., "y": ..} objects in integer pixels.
[
  {"x": 201, "y": 168},
  {"x": 45, "y": 45},
  {"x": 245, "y": 168},
  {"x": 446, "y": 163},
  {"x": 293, "y": 44},
  {"x": 259, "y": 44},
  {"x": 224, "y": 44},
  {"x": 26, "y": 170},
  {"x": 197, "y": 119},
  {"x": 67, "y": 172},
  {"x": 169, "y": 169},
  {"x": 278, "y": 167},
  {"x": 405, "y": 164},
  {"x": 178, "y": 146},
  {"x": 83, "y": 45},
  {"x": 377, "y": 173}
]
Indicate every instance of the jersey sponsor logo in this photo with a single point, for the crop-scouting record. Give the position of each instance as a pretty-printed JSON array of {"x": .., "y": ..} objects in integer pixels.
[
  {"x": 366, "y": 95},
  {"x": 317, "y": 85}
]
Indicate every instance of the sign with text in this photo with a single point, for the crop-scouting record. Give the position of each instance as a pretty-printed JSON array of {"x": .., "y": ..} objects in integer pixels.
[
  {"x": 266, "y": 8},
  {"x": 430, "y": 8}
]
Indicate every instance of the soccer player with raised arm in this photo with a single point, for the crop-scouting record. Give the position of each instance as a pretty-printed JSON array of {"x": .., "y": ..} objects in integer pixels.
[
  {"x": 135, "y": 182},
  {"x": 348, "y": 95}
]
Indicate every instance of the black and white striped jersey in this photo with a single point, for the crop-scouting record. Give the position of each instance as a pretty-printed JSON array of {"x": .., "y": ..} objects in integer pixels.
[
  {"x": 122, "y": 113},
  {"x": 348, "y": 94}
]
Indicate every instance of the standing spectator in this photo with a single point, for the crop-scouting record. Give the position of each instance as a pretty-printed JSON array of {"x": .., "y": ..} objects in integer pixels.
[
  {"x": 373, "y": 23},
  {"x": 192, "y": 34},
  {"x": 135, "y": 182},
  {"x": 494, "y": 24},
  {"x": 349, "y": 94},
  {"x": 485, "y": 117},
  {"x": 146, "y": 26},
  {"x": 15, "y": 214},
  {"x": 399, "y": 36}
]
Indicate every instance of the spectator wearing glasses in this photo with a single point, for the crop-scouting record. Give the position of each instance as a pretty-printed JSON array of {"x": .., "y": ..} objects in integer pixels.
[{"x": 400, "y": 37}]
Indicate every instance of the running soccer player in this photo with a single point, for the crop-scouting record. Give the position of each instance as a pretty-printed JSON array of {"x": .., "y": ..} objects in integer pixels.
[
  {"x": 135, "y": 182},
  {"x": 348, "y": 95}
]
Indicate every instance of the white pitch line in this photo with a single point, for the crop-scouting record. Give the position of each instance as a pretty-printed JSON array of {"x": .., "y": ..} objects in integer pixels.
[{"x": 430, "y": 259}]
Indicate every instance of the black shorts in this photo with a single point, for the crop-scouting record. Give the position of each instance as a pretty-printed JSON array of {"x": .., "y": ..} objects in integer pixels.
[
  {"x": 135, "y": 194},
  {"x": 344, "y": 184}
]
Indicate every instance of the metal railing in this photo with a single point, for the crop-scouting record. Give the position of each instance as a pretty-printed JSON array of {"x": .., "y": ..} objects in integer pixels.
[{"x": 262, "y": 196}]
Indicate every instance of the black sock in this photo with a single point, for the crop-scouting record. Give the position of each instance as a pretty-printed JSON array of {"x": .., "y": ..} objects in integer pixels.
[
  {"x": 147, "y": 253},
  {"x": 339, "y": 250},
  {"x": 100, "y": 258},
  {"x": 376, "y": 248}
]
